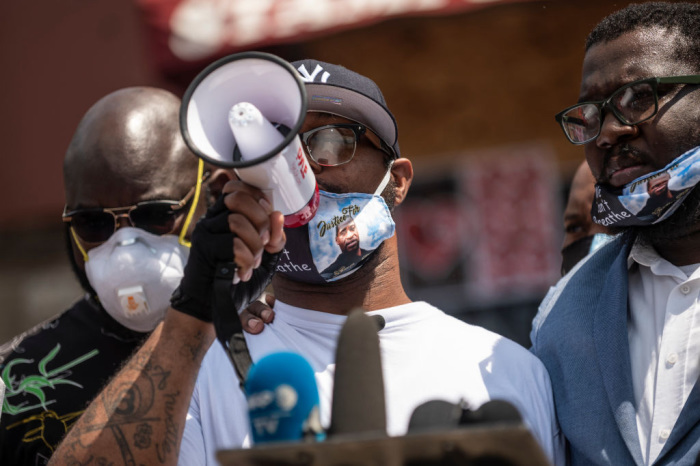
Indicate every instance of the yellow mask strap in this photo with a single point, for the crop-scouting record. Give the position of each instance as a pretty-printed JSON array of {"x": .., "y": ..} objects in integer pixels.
[
  {"x": 190, "y": 214},
  {"x": 77, "y": 243}
]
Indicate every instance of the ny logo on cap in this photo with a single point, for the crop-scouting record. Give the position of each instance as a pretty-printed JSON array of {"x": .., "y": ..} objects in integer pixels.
[{"x": 309, "y": 78}]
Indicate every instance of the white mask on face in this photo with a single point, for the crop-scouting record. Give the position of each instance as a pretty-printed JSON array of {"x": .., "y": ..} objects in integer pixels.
[{"x": 134, "y": 273}]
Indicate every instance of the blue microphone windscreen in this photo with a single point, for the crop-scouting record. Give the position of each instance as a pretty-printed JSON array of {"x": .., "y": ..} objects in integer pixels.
[{"x": 282, "y": 396}]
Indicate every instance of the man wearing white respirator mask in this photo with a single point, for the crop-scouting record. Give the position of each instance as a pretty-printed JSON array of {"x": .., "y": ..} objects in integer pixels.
[
  {"x": 172, "y": 405},
  {"x": 132, "y": 189}
]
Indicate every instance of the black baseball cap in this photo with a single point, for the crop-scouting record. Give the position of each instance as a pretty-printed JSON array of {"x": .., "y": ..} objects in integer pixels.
[{"x": 340, "y": 91}]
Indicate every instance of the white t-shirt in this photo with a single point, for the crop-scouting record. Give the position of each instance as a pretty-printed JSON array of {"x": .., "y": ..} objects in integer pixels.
[{"x": 426, "y": 355}]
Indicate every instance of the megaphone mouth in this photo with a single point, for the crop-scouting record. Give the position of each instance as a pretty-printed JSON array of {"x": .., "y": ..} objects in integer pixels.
[
  {"x": 240, "y": 160},
  {"x": 267, "y": 81}
]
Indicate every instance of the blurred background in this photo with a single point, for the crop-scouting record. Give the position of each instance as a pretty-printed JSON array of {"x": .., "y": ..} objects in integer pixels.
[{"x": 474, "y": 85}]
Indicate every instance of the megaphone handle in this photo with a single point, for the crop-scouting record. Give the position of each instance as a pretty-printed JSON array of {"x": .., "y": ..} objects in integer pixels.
[{"x": 227, "y": 322}]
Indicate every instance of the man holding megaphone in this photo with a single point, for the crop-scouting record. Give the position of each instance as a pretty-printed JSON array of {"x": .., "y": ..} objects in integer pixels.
[{"x": 348, "y": 139}]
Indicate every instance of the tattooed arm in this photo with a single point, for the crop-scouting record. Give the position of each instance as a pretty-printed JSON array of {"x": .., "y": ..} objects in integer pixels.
[{"x": 139, "y": 417}]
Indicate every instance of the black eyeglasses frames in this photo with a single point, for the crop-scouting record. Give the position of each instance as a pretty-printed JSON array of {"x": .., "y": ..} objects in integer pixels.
[
  {"x": 335, "y": 144},
  {"x": 632, "y": 104}
]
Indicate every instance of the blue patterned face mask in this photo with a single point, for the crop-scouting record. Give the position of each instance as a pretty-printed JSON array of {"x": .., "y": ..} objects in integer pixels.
[
  {"x": 345, "y": 231},
  {"x": 651, "y": 198}
]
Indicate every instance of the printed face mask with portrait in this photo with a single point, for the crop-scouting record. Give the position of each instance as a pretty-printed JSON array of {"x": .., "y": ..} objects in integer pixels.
[
  {"x": 651, "y": 198},
  {"x": 134, "y": 273},
  {"x": 345, "y": 231}
]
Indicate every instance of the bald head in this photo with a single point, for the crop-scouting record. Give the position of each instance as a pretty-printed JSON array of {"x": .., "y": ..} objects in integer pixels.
[{"x": 126, "y": 149}]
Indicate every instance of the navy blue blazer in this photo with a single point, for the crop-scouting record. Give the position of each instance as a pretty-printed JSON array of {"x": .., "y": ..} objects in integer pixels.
[{"x": 580, "y": 334}]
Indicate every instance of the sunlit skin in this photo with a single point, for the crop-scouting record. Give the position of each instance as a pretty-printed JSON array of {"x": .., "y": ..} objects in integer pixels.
[
  {"x": 622, "y": 153},
  {"x": 159, "y": 165}
]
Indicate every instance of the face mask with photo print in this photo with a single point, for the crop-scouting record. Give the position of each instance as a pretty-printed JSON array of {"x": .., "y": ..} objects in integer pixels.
[
  {"x": 345, "y": 231},
  {"x": 651, "y": 198}
]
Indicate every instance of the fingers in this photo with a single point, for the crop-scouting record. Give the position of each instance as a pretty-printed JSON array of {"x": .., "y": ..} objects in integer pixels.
[
  {"x": 277, "y": 237},
  {"x": 256, "y": 226},
  {"x": 257, "y": 314},
  {"x": 270, "y": 301}
]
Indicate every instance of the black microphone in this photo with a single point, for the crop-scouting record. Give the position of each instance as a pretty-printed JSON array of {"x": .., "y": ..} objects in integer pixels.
[
  {"x": 358, "y": 387},
  {"x": 494, "y": 411},
  {"x": 440, "y": 414},
  {"x": 380, "y": 321},
  {"x": 436, "y": 414}
]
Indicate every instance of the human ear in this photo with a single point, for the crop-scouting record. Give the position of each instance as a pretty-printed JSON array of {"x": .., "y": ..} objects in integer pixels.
[
  {"x": 215, "y": 184},
  {"x": 402, "y": 174}
]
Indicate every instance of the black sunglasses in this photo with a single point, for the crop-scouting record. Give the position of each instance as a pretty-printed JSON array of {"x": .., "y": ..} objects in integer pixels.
[
  {"x": 96, "y": 225},
  {"x": 631, "y": 104},
  {"x": 332, "y": 145}
]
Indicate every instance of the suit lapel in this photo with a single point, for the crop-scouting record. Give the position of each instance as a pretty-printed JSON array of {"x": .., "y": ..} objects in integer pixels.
[{"x": 612, "y": 348}]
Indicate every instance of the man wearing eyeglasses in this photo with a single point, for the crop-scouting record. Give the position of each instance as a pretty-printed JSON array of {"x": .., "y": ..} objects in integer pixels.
[
  {"x": 619, "y": 335},
  {"x": 350, "y": 139},
  {"x": 132, "y": 186}
]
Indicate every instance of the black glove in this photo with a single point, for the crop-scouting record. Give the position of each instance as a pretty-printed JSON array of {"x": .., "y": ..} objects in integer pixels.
[
  {"x": 212, "y": 245},
  {"x": 231, "y": 299},
  {"x": 245, "y": 293},
  {"x": 241, "y": 295},
  {"x": 207, "y": 291}
]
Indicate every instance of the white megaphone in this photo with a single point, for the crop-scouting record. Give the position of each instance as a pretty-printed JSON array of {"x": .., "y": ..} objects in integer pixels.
[{"x": 244, "y": 112}]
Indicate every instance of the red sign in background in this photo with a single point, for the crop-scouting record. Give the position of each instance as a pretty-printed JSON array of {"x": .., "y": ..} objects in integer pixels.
[
  {"x": 183, "y": 32},
  {"x": 484, "y": 231}
]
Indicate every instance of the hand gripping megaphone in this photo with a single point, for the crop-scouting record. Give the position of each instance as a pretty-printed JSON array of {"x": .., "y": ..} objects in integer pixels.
[{"x": 244, "y": 112}]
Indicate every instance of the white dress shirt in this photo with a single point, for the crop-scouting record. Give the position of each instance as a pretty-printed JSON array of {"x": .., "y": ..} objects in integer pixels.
[{"x": 664, "y": 339}]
